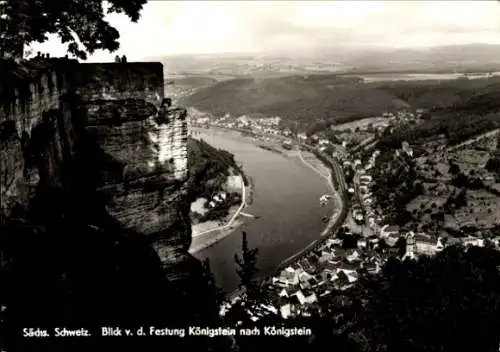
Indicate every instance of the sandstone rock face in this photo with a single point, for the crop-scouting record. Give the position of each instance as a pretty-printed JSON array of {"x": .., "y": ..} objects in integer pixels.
[
  {"x": 32, "y": 101},
  {"x": 145, "y": 189},
  {"x": 13, "y": 189},
  {"x": 146, "y": 146},
  {"x": 144, "y": 178},
  {"x": 170, "y": 138},
  {"x": 127, "y": 150}
]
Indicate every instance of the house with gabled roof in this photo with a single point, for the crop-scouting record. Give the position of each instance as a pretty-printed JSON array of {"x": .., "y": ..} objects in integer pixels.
[
  {"x": 326, "y": 256},
  {"x": 305, "y": 276},
  {"x": 306, "y": 298},
  {"x": 306, "y": 280},
  {"x": 302, "y": 136},
  {"x": 332, "y": 242},
  {"x": 290, "y": 276},
  {"x": 327, "y": 275},
  {"x": 364, "y": 189},
  {"x": 425, "y": 244},
  {"x": 366, "y": 195},
  {"x": 351, "y": 275},
  {"x": 354, "y": 257}
]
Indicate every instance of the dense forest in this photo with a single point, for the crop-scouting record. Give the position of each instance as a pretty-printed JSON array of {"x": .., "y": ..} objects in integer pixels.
[{"x": 331, "y": 98}]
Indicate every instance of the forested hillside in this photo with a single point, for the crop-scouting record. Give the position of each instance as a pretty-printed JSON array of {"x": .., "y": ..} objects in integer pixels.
[
  {"x": 332, "y": 98},
  {"x": 208, "y": 168},
  {"x": 468, "y": 116}
]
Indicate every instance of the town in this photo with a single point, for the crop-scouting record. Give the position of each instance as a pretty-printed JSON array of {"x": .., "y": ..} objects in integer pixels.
[{"x": 433, "y": 203}]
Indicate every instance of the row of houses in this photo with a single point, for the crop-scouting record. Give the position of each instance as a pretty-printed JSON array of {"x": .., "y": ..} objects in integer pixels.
[
  {"x": 329, "y": 269},
  {"x": 368, "y": 213}
]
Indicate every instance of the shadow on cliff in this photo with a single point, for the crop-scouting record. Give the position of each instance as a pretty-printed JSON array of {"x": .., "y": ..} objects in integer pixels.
[{"x": 66, "y": 263}]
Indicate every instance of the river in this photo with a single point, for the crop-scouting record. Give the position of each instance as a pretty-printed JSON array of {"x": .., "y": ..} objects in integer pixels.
[{"x": 286, "y": 199}]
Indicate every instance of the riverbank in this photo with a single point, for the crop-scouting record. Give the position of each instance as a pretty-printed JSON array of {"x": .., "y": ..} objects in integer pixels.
[
  {"x": 286, "y": 204},
  {"x": 328, "y": 169},
  {"x": 209, "y": 233},
  {"x": 211, "y": 237},
  {"x": 336, "y": 182}
]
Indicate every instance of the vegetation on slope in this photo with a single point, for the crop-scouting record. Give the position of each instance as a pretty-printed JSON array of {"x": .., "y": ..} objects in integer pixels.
[
  {"x": 331, "y": 98},
  {"x": 296, "y": 97},
  {"x": 430, "y": 94},
  {"x": 208, "y": 169},
  {"x": 478, "y": 111}
]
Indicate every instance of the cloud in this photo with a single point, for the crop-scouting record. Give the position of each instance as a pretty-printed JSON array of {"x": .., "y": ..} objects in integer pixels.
[{"x": 171, "y": 27}]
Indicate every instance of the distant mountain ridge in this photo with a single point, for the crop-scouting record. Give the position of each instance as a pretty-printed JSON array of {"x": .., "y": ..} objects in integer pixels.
[
  {"x": 469, "y": 57},
  {"x": 460, "y": 57}
]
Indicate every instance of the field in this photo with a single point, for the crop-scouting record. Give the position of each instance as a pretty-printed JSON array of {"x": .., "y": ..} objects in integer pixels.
[
  {"x": 356, "y": 137},
  {"x": 363, "y": 123}
]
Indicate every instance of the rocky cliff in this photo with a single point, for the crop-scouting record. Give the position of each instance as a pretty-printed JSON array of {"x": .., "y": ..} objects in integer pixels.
[
  {"x": 144, "y": 143},
  {"x": 94, "y": 162},
  {"x": 36, "y": 129},
  {"x": 146, "y": 140}
]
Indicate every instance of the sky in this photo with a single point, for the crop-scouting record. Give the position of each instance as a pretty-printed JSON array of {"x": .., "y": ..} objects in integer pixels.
[{"x": 188, "y": 27}]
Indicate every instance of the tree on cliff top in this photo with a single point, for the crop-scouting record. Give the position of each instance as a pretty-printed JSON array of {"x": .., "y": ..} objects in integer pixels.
[{"x": 79, "y": 23}]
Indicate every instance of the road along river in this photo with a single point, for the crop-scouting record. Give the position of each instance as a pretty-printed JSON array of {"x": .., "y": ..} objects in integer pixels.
[{"x": 285, "y": 199}]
